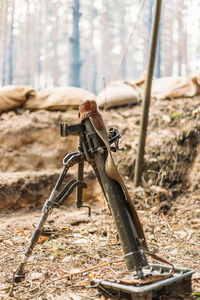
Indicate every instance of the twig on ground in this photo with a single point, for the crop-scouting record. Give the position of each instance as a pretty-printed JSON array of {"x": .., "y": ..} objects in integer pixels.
[
  {"x": 168, "y": 225},
  {"x": 10, "y": 293},
  {"x": 115, "y": 273},
  {"x": 4, "y": 289},
  {"x": 70, "y": 275}
]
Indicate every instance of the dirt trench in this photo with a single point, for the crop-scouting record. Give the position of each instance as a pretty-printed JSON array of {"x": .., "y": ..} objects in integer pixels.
[
  {"x": 168, "y": 202},
  {"x": 31, "y": 149},
  {"x": 31, "y": 154}
]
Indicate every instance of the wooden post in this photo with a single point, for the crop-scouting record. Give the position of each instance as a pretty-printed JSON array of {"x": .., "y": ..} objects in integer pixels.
[{"x": 147, "y": 94}]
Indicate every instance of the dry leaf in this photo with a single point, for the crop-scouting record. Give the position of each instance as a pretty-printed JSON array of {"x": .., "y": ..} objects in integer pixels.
[
  {"x": 195, "y": 226},
  {"x": 115, "y": 242},
  {"x": 67, "y": 229},
  {"x": 42, "y": 239},
  {"x": 92, "y": 275},
  {"x": 22, "y": 232}
]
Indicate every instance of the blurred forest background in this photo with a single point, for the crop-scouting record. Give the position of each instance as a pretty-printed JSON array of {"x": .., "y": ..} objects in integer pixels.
[{"x": 47, "y": 43}]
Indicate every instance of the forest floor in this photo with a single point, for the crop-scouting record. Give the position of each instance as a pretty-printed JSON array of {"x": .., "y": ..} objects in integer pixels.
[
  {"x": 168, "y": 205},
  {"x": 73, "y": 242}
]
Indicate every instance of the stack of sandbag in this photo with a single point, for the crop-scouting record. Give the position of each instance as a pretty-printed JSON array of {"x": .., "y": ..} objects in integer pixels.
[
  {"x": 14, "y": 96},
  {"x": 119, "y": 93},
  {"x": 58, "y": 98},
  {"x": 175, "y": 87},
  {"x": 116, "y": 94}
]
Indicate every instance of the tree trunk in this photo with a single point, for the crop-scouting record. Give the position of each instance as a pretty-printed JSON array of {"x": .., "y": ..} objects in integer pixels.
[
  {"x": 158, "y": 54},
  {"x": 147, "y": 36},
  {"x": 105, "y": 61},
  {"x": 75, "y": 66},
  {"x": 32, "y": 50},
  {"x": 180, "y": 36},
  {"x": 67, "y": 53},
  {"x": 91, "y": 61},
  {"x": 186, "y": 54},
  {"x": 4, "y": 40},
  {"x": 38, "y": 43},
  {"x": 122, "y": 37},
  {"x": 43, "y": 65},
  {"x": 170, "y": 59},
  {"x": 167, "y": 33},
  {"x": 55, "y": 47},
  {"x": 150, "y": 17},
  {"x": 10, "y": 48},
  {"x": 27, "y": 57},
  {"x": 158, "y": 50}
]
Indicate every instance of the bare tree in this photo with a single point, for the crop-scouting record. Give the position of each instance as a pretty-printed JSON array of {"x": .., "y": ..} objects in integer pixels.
[
  {"x": 158, "y": 54},
  {"x": 105, "y": 61},
  {"x": 91, "y": 62},
  {"x": 180, "y": 36},
  {"x": 10, "y": 46},
  {"x": 4, "y": 40},
  {"x": 29, "y": 49},
  {"x": 122, "y": 36},
  {"x": 55, "y": 46},
  {"x": 75, "y": 65}
]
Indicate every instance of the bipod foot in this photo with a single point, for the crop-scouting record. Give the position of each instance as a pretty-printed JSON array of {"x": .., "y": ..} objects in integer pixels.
[
  {"x": 18, "y": 275},
  {"x": 18, "y": 278}
]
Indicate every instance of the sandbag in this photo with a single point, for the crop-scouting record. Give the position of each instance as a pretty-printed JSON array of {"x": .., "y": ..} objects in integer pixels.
[
  {"x": 14, "y": 96},
  {"x": 59, "y": 98},
  {"x": 170, "y": 87},
  {"x": 118, "y": 93}
]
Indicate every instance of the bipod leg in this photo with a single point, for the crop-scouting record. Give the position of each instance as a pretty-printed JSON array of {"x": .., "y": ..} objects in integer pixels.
[
  {"x": 70, "y": 186},
  {"x": 63, "y": 192},
  {"x": 46, "y": 210},
  {"x": 56, "y": 199}
]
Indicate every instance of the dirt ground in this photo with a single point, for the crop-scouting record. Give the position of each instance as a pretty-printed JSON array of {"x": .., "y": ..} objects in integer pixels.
[
  {"x": 168, "y": 204},
  {"x": 73, "y": 242}
]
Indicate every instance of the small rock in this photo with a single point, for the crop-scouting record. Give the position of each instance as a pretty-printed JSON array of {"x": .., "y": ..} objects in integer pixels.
[
  {"x": 166, "y": 118},
  {"x": 36, "y": 276}
]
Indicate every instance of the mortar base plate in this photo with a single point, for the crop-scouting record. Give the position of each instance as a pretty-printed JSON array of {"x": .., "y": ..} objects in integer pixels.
[{"x": 178, "y": 284}]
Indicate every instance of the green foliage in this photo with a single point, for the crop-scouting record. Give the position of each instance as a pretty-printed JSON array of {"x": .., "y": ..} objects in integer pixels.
[{"x": 176, "y": 115}]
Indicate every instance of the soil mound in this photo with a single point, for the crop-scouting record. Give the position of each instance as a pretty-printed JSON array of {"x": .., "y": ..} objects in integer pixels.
[
  {"x": 31, "y": 149},
  {"x": 31, "y": 154},
  {"x": 31, "y": 140}
]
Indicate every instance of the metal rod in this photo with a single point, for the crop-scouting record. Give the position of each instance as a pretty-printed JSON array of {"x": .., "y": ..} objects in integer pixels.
[
  {"x": 147, "y": 94},
  {"x": 79, "y": 190}
]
